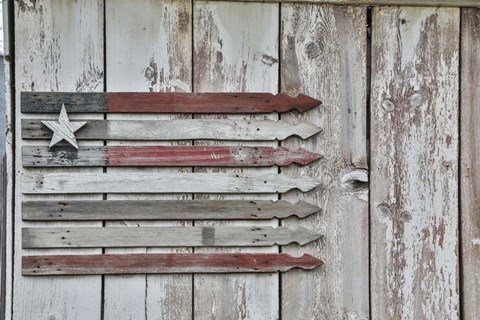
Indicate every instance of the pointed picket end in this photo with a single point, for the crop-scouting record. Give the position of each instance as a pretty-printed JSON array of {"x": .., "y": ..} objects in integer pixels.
[
  {"x": 304, "y": 157},
  {"x": 302, "y": 103},
  {"x": 307, "y": 184},
  {"x": 306, "y": 130},
  {"x": 306, "y": 209},
  {"x": 309, "y": 262},
  {"x": 306, "y": 236},
  {"x": 284, "y": 156}
]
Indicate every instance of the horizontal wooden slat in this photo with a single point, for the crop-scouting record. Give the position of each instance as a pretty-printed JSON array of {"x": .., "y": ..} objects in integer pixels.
[
  {"x": 164, "y": 263},
  {"x": 164, "y": 210},
  {"x": 187, "y": 129},
  {"x": 128, "y": 237},
  {"x": 171, "y": 102},
  {"x": 198, "y": 156},
  {"x": 420, "y": 3},
  {"x": 65, "y": 183}
]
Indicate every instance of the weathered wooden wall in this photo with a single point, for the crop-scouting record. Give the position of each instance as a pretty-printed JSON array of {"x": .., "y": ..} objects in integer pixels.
[{"x": 404, "y": 245}]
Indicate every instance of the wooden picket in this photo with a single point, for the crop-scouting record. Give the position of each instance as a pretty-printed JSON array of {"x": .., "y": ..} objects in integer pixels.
[
  {"x": 67, "y": 183},
  {"x": 161, "y": 130},
  {"x": 164, "y": 210},
  {"x": 172, "y": 102},
  {"x": 165, "y": 156},
  {"x": 165, "y": 263},
  {"x": 111, "y": 237}
]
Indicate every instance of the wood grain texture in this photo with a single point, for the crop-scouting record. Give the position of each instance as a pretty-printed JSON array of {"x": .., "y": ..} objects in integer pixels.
[
  {"x": 470, "y": 167},
  {"x": 165, "y": 263},
  {"x": 419, "y": 3},
  {"x": 3, "y": 234},
  {"x": 65, "y": 183},
  {"x": 149, "y": 49},
  {"x": 171, "y": 102},
  {"x": 236, "y": 49},
  {"x": 58, "y": 47},
  {"x": 165, "y": 156},
  {"x": 8, "y": 49},
  {"x": 161, "y": 130},
  {"x": 130, "y": 237},
  {"x": 323, "y": 55},
  {"x": 164, "y": 210},
  {"x": 414, "y": 190}
]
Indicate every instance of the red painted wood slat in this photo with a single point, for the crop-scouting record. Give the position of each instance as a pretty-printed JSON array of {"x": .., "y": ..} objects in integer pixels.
[
  {"x": 171, "y": 102},
  {"x": 208, "y": 102},
  {"x": 148, "y": 156},
  {"x": 164, "y": 263}
]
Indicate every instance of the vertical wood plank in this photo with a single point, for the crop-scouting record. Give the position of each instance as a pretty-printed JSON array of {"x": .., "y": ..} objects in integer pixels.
[
  {"x": 323, "y": 55},
  {"x": 148, "y": 49},
  {"x": 470, "y": 166},
  {"x": 236, "y": 49},
  {"x": 59, "y": 47},
  {"x": 414, "y": 159},
  {"x": 9, "y": 84},
  {"x": 3, "y": 234}
]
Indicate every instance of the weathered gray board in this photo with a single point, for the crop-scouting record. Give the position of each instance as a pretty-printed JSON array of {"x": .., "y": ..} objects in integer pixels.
[
  {"x": 164, "y": 130},
  {"x": 165, "y": 156},
  {"x": 414, "y": 160},
  {"x": 470, "y": 162},
  {"x": 130, "y": 237},
  {"x": 71, "y": 183},
  {"x": 164, "y": 210}
]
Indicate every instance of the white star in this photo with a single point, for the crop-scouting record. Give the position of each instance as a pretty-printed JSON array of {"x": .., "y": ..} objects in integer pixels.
[{"x": 63, "y": 129}]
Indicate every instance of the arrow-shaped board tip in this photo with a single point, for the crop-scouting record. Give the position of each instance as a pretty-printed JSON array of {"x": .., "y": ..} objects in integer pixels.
[
  {"x": 306, "y": 209},
  {"x": 307, "y": 184},
  {"x": 306, "y": 130},
  {"x": 303, "y": 103},
  {"x": 309, "y": 262},
  {"x": 304, "y": 157},
  {"x": 306, "y": 236}
]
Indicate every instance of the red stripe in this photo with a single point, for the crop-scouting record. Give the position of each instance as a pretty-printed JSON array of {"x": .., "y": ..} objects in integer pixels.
[
  {"x": 205, "y": 156},
  {"x": 164, "y": 263},
  {"x": 207, "y": 102}
]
